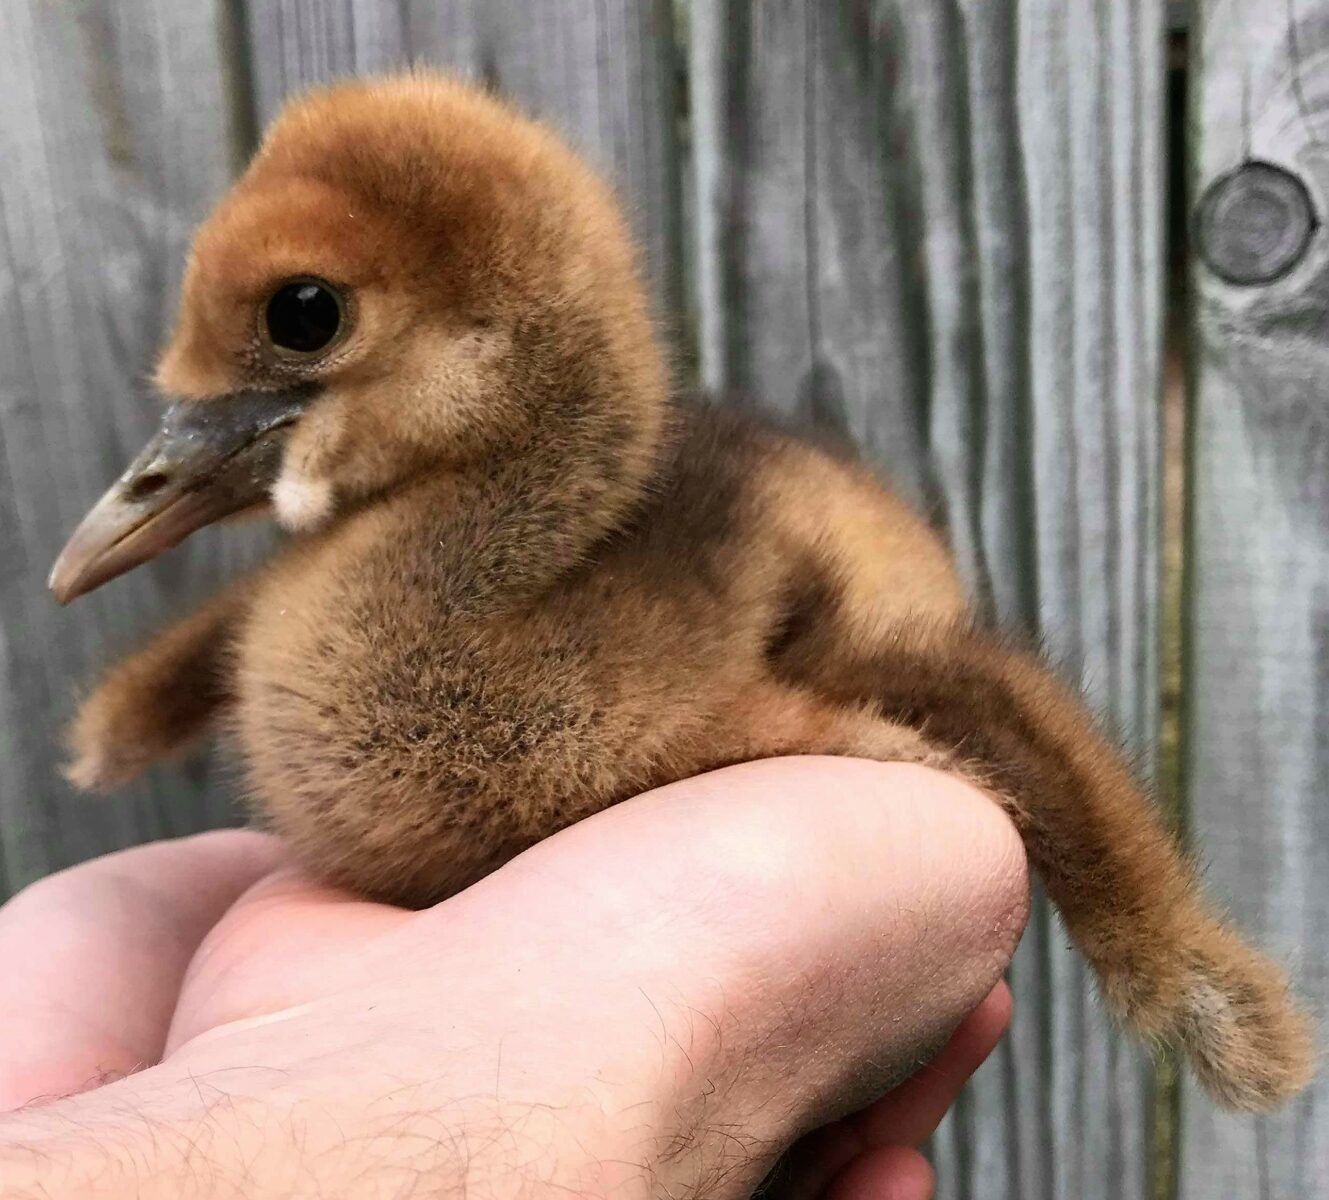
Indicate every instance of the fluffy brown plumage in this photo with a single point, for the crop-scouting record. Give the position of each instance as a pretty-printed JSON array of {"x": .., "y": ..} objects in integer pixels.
[{"x": 526, "y": 583}]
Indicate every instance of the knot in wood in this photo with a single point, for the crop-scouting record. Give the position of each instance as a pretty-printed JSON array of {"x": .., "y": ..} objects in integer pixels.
[{"x": 1255, "y": 223}]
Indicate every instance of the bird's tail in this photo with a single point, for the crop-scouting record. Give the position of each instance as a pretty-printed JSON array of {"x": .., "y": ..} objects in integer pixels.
[{"x": 1169, "y": 968}]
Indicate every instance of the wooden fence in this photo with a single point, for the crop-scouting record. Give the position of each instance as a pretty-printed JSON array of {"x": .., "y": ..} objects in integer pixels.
[{"x": 936, "y": 226}]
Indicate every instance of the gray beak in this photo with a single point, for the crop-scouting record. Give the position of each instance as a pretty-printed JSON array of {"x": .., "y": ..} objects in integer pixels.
[{"x": 210, "y": 459}]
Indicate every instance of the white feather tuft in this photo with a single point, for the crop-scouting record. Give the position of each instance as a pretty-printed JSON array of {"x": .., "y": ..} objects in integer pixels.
[{"x": 301, "y": 504}]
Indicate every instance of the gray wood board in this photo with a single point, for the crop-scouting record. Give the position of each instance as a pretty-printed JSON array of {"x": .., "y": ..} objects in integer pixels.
[
  {"x": 115, "y": 134},
  {"x": 938, "y": 228},
  {"x": 1257, "y": 757}
]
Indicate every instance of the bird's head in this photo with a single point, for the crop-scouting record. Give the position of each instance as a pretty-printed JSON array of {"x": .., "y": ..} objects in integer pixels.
[{"x": 409, "y": 278}]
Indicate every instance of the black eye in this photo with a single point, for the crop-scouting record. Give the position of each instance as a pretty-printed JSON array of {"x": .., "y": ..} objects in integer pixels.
[{"x": 303, "y": 317}]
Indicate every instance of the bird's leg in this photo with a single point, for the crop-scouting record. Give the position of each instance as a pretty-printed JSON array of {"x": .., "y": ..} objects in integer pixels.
[
  {"x": 154, "y": 702},
  {"x": 774, "y": 721},
  {"x": 1131, "y": 901}
]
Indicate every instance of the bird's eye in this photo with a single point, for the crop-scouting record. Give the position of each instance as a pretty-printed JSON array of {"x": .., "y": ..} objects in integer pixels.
[{"x": 304, "y": 316}]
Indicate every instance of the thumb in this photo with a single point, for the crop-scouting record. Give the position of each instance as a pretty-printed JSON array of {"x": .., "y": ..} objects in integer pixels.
[{"x": 799, "y": 933}]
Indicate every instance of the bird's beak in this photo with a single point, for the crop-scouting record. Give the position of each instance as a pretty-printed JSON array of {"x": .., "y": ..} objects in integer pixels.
[{"x": 210, "y": 459}]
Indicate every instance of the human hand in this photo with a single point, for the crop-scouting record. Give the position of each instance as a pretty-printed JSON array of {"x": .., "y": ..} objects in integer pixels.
[{"x": 659, "y": 999}]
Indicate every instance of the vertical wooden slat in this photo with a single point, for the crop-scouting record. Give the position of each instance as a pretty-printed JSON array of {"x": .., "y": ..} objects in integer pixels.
[
  {"x": 936, "y": 227},
  {"x": 602, "y": 71},
  {"x": 1257, "y": 757},
  {"x": 295, "y": 43},
  {"x": 114, "y": 137},
  {"x": 810, "y": 226}
]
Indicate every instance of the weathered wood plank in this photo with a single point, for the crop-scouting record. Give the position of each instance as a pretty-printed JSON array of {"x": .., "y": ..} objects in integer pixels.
[
  {"x": 601, "y": 72},
  {"x": 1258, "y": 686},
  {"x": 114, "y": 134},
  {"x": 937, "y": 227}
]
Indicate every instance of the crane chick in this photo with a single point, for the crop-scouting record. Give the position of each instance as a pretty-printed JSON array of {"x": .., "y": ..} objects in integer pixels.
[{"x": 527, "y": 582}]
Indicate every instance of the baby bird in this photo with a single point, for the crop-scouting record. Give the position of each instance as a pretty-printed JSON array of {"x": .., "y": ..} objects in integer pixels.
[{"x": 526, "y": 582}]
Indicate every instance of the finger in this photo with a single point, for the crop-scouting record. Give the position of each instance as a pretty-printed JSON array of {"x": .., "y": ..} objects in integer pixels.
[
  {"x": 908, "y": 1114},
  {"x": 890, "y": 1173},
  {"x": 911, "y": 1113},
  {"x": 94, "y": 957}
]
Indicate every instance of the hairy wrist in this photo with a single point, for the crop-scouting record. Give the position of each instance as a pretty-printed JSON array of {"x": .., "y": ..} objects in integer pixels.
[
  {"x": 144, "y": 1137},
  {"x": 219, "y": 1138}
]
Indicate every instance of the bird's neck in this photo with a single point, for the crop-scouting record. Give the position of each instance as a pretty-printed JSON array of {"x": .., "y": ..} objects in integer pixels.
[{"x": 514, "y": 524}]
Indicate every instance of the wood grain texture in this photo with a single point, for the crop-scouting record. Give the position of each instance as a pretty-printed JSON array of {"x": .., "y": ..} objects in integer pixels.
[
  {"x": 601, "y": 71},
  {"x": 1258, "y": 686},
  {"x": 937, "y": 227},
  {"x": 115, "y": 135}
]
